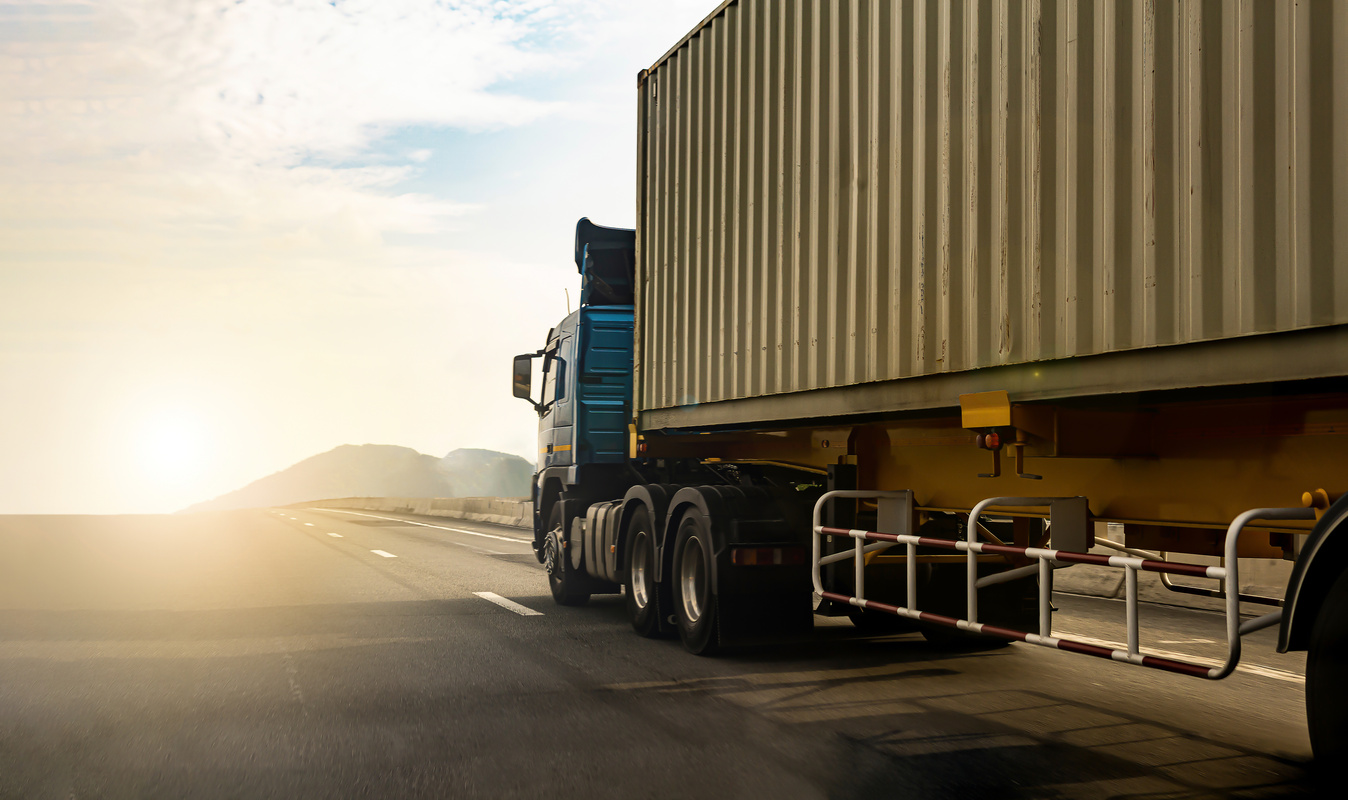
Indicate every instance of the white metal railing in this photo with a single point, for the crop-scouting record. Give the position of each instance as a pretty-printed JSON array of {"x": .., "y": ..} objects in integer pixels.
[{"x": 1048, "y": 559}]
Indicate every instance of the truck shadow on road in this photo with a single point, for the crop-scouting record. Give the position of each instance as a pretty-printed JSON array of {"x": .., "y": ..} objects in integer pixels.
[
  {"x": 885, "y": 715},
  {"x": 898, "y": 715}
]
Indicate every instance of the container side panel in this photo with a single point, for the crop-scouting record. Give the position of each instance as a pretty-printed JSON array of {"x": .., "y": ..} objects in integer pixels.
[
  {"x": 787, "y": 68},
  {"x": 1335, "y": 241},
  {"x": 880, "y": 99},
  {"x": 842, "y": 193},
  {"x": 643, "y": 224},
  {"x": 897, "y": 213},
  {"x": 1323, "y": 167},
  {"x": 742, "y": 148},
  {"x": 708, "y": 130},
  {"x": 855, "y": 197},
  {"x": 971, "y": 263},
  {"x": 684, "y": 246},
  {"x": 724, "y": 216}
]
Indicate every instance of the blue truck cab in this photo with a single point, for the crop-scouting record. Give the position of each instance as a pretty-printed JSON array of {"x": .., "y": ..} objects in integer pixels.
[
  {"x": 587, "y": 390},
  {"x": 608, "y": 518},
  {"x": 586, "y": 398}
]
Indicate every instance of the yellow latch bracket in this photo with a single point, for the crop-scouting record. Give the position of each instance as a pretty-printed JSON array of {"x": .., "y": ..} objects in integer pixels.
[{"x": 985, "y": 410}]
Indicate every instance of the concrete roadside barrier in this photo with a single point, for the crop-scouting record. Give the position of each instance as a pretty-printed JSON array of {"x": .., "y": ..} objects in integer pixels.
[{"x": 515, "y": 511}]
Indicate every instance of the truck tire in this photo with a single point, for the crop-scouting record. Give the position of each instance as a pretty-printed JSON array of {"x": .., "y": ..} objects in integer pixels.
[
  {"x": 566, "y": 584},
  {"x": 694, "y": 600},
  {"x": 941, "y": 588},
  {"x": 643, "y": 596},
  {"x": 1327, "y": 677}
]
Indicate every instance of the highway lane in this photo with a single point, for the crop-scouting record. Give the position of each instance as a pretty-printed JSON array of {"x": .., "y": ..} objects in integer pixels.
[{"x": 318, "y": 653}]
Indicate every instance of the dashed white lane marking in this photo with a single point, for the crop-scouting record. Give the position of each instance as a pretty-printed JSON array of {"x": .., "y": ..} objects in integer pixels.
[
  {"x": 1252, "y": 669},
  {"x": 335, "y": 535},
  {"x": 308, "y": 524},
  {"x": 382, "y": 553},
  {"x": 523, "y": 611},
  {"x": 428, "y": 525},
  {"x": 292, "y": 674}
]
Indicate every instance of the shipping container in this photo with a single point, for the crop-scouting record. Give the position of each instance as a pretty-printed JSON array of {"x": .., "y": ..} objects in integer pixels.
[{"x": 845, "y": 194}]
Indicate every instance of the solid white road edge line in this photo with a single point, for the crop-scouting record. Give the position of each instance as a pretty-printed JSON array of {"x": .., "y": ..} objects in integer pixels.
[
  {"x": 335, "y": 535},
  {"x": 523, "y": 611},
  {"x": 1252, "y": 669},
  {"x": 382, "y": 553},
  {"x": 428, "y": 525}
]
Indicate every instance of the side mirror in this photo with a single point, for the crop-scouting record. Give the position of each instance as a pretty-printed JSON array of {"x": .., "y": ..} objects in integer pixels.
[{"x": 523, "y": 377}]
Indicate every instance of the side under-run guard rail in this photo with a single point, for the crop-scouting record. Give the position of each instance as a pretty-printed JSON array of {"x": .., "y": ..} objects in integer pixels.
[{"x": 900, "y": 519}]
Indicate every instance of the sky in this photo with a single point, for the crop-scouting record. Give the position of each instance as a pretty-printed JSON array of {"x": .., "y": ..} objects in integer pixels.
[{"x": 238, "y": 233}]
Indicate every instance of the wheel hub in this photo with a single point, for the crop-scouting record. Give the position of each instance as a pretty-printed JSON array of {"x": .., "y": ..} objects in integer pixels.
[
  {"x": 641, "y": 545},
  {"x": 693, "y": 579}
]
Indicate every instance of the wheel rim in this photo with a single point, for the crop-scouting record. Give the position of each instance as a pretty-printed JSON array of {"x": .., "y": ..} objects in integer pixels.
[
  {"x": 552, "y": 554},
  {"x": 693, "y": 579},
  {"x": 641, "y": 545}
]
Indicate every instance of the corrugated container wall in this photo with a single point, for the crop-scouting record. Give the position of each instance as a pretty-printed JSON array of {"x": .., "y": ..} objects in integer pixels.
[{"x": 842, "y": 191}]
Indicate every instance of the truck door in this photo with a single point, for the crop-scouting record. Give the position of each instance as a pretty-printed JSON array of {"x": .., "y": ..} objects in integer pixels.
[{"x": 556, "y": 426}]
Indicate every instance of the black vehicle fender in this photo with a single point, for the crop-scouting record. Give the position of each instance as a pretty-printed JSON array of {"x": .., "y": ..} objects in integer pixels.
[
  {"x": 547, "y": 490},
  {"x": 711, "y": 504},
  {"x": 1323, "y": 558},
  {"x": 535, "y": 492},
  {"x": 731, "y": 511},
  {"x": 655, "y": 498}
]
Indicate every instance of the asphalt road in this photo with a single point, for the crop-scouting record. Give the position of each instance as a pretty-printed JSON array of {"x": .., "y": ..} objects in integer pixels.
[{"x": 302, "y": 653}]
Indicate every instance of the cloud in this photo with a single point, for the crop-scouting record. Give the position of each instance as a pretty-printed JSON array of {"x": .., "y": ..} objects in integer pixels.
[
  {"x": 237, "y": 112},
  {"x": 150, "y": 111},
  {"x": 233, "y": 207}
]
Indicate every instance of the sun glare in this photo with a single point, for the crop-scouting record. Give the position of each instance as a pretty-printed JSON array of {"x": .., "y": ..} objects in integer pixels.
[{"x": 173, "y": 447}]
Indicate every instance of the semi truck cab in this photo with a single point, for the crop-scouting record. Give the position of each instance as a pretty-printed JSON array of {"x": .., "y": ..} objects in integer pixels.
[
  {"x": 586, "y": 398},
  {"x": 605, "y": 516}
]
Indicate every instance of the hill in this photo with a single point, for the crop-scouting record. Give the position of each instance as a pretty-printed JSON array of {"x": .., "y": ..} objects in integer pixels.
[
  {"x": 381, "y": 470},
  {"x": 487, "y": 473}
]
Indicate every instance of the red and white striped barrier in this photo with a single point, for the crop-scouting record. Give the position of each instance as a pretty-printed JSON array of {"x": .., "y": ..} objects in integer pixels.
[{"x": 1047, "y": 560}]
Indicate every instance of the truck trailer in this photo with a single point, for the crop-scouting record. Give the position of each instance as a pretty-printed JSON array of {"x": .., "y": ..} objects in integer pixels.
[{"x": 922, "y": 296}]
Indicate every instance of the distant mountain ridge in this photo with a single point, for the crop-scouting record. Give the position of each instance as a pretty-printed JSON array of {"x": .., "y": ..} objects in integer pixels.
[{"x": 383, "y": 470}]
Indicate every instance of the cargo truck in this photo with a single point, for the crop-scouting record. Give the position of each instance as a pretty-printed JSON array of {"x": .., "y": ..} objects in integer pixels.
[{"x": 923, "y": 295}]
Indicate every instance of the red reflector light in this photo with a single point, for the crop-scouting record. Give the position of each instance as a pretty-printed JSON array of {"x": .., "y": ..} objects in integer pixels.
[{"x": 766, "y": 556}]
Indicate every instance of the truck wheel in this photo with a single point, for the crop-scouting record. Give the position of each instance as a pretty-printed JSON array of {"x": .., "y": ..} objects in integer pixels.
[
  {"x": 1326, "y": 669},
  {"x": 643, "y": 601},
  {"x": 562, "y": 577},
  {"x": 943, "y": 587},
  {"x": 694, "y": 600}
]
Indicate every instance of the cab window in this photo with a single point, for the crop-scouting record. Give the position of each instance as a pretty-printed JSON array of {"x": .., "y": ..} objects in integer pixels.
[{"x": 550, "y": 382}]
